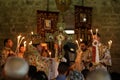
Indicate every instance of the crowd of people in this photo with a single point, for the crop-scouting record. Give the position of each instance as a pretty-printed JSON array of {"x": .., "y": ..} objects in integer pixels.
[{"x": 83, "y": 62}]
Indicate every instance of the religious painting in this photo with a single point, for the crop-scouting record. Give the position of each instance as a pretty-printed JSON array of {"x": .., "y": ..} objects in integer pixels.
[
  {"x": 83, "y": 22},
  {"x": 46, "y": 22}
]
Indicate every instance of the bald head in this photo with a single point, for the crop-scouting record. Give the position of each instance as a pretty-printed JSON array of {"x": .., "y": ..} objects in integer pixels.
[{"x": 16, "y": 68}]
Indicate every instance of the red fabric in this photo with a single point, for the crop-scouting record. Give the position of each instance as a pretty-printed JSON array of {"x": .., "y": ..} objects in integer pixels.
[{"x": 93, "y": 53}]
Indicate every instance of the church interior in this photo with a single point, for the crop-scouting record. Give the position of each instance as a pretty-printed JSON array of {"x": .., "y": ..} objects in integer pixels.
[{"x": 59, "y": 21}]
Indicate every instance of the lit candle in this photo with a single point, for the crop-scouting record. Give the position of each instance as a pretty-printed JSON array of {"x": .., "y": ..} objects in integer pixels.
[
  {"x": 50, "y": 54},
  {"x": 21, "y": 41},
  {"x": 18, "y": 40},
  {"x": 91, "y": 32},
  {"x": 30, "y": 43},
  {"x": 96, "y": 31},
  {"x": 32, "y": 33},
  {"x": 110, "y": 43},
  {"x": 77, "y": 44},
  {"x": 81, "y": 40},
  {"x": 25, "y": 44}
]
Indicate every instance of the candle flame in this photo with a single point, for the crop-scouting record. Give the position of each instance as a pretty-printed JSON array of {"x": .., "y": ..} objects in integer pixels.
[
  {"x": 76, "y": 41},
  {"x": 81, "y": 40},
  {"x": 19, "y": 36},
  {"x": 96, "y": 30},
  {"x": 32, "y": 33},
  {"x": 30, "y": 43}
]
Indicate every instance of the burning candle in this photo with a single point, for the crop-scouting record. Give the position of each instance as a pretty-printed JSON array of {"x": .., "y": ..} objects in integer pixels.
[
  {"x": 21, "y": 40},
  {"x": 32, "y": 33},
  {"x": 25, "y": 44},
  {"x": 30, "y": 43},
  {"x": 81, "y": 40},
  {"x": 96, "y": 31},
  {"x": 109, "y": 43},
  {"x": 18, "y": 40},
  {"x": 50, "y": 54},
  {"x": 77, "y": 44},
  {"x": 91, "y": 32}
]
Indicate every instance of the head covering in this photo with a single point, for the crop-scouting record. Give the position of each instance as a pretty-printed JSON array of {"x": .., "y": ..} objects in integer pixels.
[
  {"x": 16, "y": 67},
  {"x": 71, "y": 47}
]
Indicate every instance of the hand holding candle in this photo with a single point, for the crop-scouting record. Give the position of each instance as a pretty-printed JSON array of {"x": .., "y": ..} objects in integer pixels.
[{"x": 19, "y": 40}]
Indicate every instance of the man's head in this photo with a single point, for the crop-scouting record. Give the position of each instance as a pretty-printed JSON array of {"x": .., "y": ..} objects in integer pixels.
[
  {"x": 63, "y": 67},
  {"x": 16, "y": 68},
  {"x": 83, "y": 45},
  {"x": 8, "y": 43}
]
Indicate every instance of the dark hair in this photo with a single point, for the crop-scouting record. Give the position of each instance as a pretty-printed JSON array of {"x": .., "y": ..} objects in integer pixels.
[
  {"x": 40, "y": 75},
  {"x": 22, "y": 45},
  {"x": 32, "y": 71},
  {"x": 6, "y": 40},
  {"x": 85, "y": 72},
  {"x": 63, "y": 67}
]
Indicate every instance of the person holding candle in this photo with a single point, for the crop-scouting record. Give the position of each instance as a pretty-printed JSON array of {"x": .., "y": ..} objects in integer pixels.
[
  {"x": 22, "y": 50},
  {"x": 7, "y": 51},
  {"x": 86, "y": 57},
  {"x": 101, "y": 57},
  {"x": 45, "y": 52}
]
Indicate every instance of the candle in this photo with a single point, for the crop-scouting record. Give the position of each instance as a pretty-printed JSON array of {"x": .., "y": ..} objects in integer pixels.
[
  {"x": 81, "y": 40},
  {"x": 32, "y": 33},
  {"x": 30, "y": 43},
  {"x": 50, "y": 54},
  {"x": 96, "y": 31},
  {"x": 77, "y": 44},
  {"x": 109, "y": 43},
  {"x": 21, "y": 40},
  {"x": 91, "y": 32},
  {"x": 24, "y": 44},
  {"x": 18, "y": 40}
]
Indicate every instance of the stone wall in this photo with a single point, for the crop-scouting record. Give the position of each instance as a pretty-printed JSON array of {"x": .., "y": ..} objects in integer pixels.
[{"x": 19, "y": 16}]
